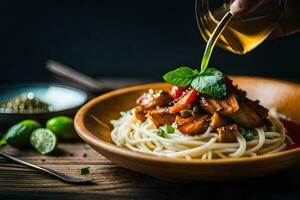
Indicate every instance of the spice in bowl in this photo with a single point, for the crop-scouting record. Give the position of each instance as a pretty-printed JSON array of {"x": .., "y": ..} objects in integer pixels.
[{"x": 25, "y": 103}]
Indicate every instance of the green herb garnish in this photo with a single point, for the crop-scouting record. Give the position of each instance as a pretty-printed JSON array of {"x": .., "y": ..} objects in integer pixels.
[
  {"x": 182, "y": 76},
  {"x": 186, "y": 113},
  {"x": 160, "y": 132},
  {"x": 170, "y": 129},
  {"x": 196, "y": 109},
  {"x": 248, "y": 135},
  {"x": 2, "y": 141},
  {"x": 210, "y": 82},
  {"x": 190, "y": 107},
  {"x": 85, "y": 170}
]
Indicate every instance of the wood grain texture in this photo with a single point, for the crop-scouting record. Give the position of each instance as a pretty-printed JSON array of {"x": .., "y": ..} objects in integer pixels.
[
  {"x": 111, "y": 180},
  {"x": 114, "y": 182}
]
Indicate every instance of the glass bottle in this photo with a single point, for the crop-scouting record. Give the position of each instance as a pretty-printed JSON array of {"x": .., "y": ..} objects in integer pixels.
[{"x": 247, "y": 31}]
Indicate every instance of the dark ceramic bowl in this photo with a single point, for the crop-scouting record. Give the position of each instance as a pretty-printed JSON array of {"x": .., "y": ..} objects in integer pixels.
[{"x": 65, "y": 100}]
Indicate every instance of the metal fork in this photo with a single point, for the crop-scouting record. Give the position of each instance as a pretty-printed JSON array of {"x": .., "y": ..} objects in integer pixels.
[{"x": 61, "y": 176}]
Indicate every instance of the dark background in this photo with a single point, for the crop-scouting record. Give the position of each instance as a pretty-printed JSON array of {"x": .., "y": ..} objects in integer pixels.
[
  {"x": 134, "y": 38},
  {"x": 122, "y": 38}
]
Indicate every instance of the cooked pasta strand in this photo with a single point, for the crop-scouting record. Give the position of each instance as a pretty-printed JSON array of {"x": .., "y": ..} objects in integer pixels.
[{"x": 143, "y": 137}]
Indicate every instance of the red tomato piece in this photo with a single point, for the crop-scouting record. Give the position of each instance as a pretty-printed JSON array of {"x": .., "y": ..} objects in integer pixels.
[
  {"x": 177, "y": 91},
  {"x": 185, "y": 100}
]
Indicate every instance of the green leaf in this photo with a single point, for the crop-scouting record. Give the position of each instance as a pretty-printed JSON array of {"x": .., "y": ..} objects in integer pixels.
[
  {"x": 211, "y": 82},
  {"x": 181, "y": 76},
  {"x": 3, "y": 141},
  {"x": 85, "y": 170}
]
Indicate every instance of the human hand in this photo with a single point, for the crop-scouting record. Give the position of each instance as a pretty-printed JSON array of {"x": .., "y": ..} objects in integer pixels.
[{"x": 240, "y": 7}]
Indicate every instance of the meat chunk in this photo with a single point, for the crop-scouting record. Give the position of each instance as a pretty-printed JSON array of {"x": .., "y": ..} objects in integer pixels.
[
  {"x": 161, "y": 117},
  {"x": 225, "y": 106},
  {"x": 193, "y": 125},
  {"x": 153, "y": 99},
  {"x": 228, "y": 133},
  {"x": 218, "y": 120},
  {"x": 140, "y": 112},
  {"x": 149, "y": 101},
  {"x": 250, "y": 114}
]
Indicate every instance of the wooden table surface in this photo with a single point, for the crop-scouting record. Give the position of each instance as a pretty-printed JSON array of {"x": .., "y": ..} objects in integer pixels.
[{"x": 112, "y": 181}]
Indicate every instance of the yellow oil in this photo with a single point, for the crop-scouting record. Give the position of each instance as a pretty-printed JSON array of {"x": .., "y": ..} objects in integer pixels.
[{"x": 242, "y": 33}]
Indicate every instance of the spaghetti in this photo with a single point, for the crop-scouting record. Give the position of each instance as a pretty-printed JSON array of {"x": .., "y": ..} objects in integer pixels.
[{"x": 142, "y": 137}]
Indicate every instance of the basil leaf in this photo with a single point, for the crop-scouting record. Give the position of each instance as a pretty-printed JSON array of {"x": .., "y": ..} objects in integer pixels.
[
  {"x": 181, "y": 76},
  {"x": 2, "y": 141},
  {"x": 85, "y": 170},
  {"x": 211, "y": 82}
]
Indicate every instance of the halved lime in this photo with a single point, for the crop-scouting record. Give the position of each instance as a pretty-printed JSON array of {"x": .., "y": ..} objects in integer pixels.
[
  {"x": 43, "y": 140},
  {"x": 19, "y": 134}
]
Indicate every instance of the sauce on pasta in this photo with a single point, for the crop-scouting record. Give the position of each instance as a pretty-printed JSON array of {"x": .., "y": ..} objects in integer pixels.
[{"x": 293, "y": 130}]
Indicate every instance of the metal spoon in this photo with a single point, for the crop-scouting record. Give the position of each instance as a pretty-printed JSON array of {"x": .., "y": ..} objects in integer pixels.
[
  {"x": 93, "y": 85},
  {"x": 61, "y": 176}
]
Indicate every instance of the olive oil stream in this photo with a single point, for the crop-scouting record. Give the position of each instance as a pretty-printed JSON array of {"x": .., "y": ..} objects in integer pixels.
[
  {"x": 213, "y": 40},
  {"x": 245, "y": 32}
]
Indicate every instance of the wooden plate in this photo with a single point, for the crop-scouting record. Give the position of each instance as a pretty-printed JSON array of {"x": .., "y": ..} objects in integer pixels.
[{"x": 92, "y": 123}]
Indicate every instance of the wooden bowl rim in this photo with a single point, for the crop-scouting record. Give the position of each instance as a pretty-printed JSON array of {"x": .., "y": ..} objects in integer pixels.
[{"x": 89, "y": 137}]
